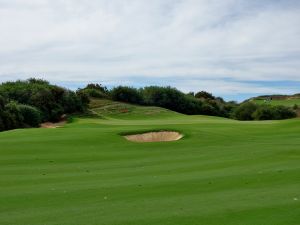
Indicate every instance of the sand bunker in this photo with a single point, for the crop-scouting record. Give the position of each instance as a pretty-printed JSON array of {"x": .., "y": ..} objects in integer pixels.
[
  {"x": 53, "y": 125},
  {"x": 159, "y": 136}
]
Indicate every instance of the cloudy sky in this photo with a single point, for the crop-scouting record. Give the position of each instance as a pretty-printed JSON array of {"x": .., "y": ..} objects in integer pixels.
[{"x": 232, "y": 48}]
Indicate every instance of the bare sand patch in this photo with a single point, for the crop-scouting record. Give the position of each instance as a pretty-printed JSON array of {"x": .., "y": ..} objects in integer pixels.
[
  {"x": 159, "y": 136},
  {"x": 53, "y": 125}
]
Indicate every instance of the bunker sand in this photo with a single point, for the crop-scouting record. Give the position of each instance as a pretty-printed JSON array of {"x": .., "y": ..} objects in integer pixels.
[
  {"x": 53, "y": 125},
  {"x": 160, "y": 136}
]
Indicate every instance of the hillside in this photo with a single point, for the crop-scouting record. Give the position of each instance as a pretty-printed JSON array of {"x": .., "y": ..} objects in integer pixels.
[
  {"x": 285, "y": 100},
  {"x": 119, "y": 110}
]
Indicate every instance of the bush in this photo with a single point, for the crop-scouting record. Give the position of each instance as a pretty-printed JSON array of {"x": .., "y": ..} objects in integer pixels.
[
  {"x": 245, "y": 111},
  {"x": 52, "y": 101},
  {"x": 264, "y": 113},
  {"x": 12, "y": 116},
  {"x": 282, "y": 112},
  {"x": 251, "y": 111},
  {"x": 97, "y": 87},
  {"x": 126, "y": 94},
  {"x": 95, "y": 91},
  {"x": 205, "y": 95},
  {"x": 172, "y": 99},
  {"x": 31, "y": 115}
]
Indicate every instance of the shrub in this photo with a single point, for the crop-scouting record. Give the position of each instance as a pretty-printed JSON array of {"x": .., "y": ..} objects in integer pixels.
[
  {"x": 172, "y": 99},
  {"x": 52, "y": 101},
  {"x": 251, "y": 111},
  {"x": 31, "y": 115},
  {"x": 282, "y": 112},
  {"x": 126, "y": 94},
  {"x": 245, "y": 111},
  {"x": 264, "y": 113},
  {"x": 13, "y": 116},
  {"x": 97, "y": 87},
  {"x": 95, "y": 91},
  {"x": 204, "y": 94}
]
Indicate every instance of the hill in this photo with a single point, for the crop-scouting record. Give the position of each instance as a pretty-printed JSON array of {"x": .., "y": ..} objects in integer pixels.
[
  {"x": 120, "y": 110},
  {"x": 285, "y": 100}
]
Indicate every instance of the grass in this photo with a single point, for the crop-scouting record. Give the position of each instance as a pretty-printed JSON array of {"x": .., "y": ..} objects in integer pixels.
[
  {"x": 290, "y": 102},
  {"x": 112, "y": 109},
  {"x": 221, "y": 172}
]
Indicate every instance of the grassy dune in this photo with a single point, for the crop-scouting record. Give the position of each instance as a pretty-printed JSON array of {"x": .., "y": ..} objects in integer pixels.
[
  {"x": 221, "y": 172},
  {"x": 285, "y": 102}
]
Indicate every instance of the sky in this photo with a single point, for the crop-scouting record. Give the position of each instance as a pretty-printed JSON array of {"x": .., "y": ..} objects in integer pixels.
[{"x": 232, "y": 48}]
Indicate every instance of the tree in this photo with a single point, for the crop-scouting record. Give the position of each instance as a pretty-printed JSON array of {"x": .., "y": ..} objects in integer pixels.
[
  {"x": 31, "y": 116},
  {"x": 126, "y": 94},
  {"x": 245, "y": 111},
  {"x": 264, "y": 112},
  {"x": 282, "y": 112},
  {"x": 205, "y": 95},
  {"x": 95, "y": 91}
]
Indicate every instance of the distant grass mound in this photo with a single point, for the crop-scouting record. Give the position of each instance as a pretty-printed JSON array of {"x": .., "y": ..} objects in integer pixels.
[
  {"x": 120, "y": 110},
  {"x": 284, "y": 100}
]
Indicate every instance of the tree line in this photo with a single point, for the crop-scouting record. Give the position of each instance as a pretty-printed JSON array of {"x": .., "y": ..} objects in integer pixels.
[
  {"x": 200, "y": 103},
  {"x": 31, "y": 102}
]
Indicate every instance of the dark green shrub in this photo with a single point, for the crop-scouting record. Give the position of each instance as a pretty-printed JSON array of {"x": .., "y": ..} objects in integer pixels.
[
  {"x": 264, "y": 112},
  {"x": 251, "y": 111},
  {"x": 13, "y": 116},
  {"x": 126, "y": 94},
  {"x": 95, "y": 91},
  {"x": 245, "y": 111},
  {"x": 282, "y": 112},
  {"x": 31, "y": 115},
  {"x": 205, "y": 95},
  {"x": 52, "y": 101}
]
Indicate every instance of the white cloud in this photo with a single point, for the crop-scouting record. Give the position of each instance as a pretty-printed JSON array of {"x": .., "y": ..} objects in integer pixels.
[{"x": 96, "y": 40}]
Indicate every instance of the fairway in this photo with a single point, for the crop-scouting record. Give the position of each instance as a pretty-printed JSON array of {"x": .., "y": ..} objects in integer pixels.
[{"x": 223, "y": 172}]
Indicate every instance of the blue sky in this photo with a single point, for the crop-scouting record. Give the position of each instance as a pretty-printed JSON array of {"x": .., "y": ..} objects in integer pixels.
[{"x": 233, "y": 48}]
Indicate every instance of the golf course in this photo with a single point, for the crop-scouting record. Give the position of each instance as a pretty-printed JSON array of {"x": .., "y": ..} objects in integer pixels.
[
  {"x": 286, "y": 102},
  {"x": 221, "y": 172}
]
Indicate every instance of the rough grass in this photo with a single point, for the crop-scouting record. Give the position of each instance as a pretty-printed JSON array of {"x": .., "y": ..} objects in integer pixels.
[
  {"x": 290, "y": 102},
  {"x": 112, "y": 109},
  {"x": 222, "y": 172}
]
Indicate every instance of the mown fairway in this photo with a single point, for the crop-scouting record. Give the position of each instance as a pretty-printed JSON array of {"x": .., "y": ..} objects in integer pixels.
[{"x": 223, "y": 172}]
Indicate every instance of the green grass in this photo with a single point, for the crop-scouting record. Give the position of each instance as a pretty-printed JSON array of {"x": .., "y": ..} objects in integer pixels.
[
  {"x": 285, "y": 102},
  {"x": 223, "y": 172},
  {"x": 112, "y": 109}
]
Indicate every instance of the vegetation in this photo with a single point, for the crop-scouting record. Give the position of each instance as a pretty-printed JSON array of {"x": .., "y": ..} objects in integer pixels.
[
  {"x": 252, "y": 111},
  {"x": 94, "y": 91},
  {"x": 222, "y": 172},
  {"x": 204, "y": 95},
  {"x": 126, "y": 94},
  {"x": 104, "y": 108},
  {"x": 173, "y": 99},
  {"x": 290, "y": 102},
  {"x": 27, "y": 103}
]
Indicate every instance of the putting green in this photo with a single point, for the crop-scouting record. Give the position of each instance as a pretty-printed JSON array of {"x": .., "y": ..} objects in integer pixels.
[{"x": 221, "y": 172}]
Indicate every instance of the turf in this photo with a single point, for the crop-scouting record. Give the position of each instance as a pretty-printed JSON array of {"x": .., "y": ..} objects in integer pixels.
[
  {"x": 285, "y": 102},
  {"x": 221, "y": 172}
]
